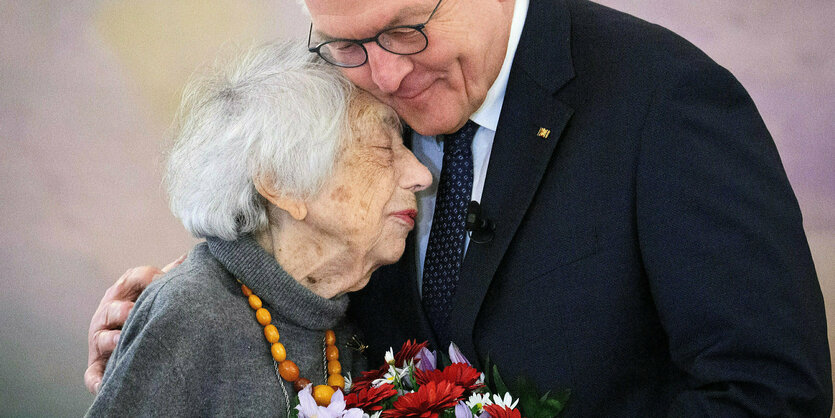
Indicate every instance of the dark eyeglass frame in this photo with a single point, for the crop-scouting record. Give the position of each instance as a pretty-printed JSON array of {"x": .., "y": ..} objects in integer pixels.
[{"x": 376, "y": 39}]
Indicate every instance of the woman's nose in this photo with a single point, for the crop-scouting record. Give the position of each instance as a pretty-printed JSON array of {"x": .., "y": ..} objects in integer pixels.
[
  {"x": 387, "y": 69},
  {"x": 414, "y": 175}
]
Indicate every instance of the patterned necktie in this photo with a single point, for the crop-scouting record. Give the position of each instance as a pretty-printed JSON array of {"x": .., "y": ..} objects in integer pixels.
[{"x": 445, "y": 250}]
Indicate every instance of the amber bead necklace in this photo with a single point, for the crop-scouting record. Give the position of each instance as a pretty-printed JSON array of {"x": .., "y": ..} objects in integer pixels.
[{"x": 288, "y": 370}]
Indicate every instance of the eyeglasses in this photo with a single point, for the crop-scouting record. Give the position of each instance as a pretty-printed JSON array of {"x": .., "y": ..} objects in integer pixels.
[{"x": 350, "y": 53}]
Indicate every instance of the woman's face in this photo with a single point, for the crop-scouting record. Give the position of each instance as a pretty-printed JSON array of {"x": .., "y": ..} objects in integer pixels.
[{"x": 369, "y": 203}]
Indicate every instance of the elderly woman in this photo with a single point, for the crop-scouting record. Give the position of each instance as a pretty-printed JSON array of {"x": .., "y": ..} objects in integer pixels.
[{"x": 302, "y": 187}]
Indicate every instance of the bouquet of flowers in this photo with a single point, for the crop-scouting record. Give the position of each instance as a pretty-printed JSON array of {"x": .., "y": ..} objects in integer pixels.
[{"x": 416, "y": 382}]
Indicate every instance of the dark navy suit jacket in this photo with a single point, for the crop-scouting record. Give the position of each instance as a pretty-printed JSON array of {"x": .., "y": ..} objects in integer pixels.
[{"x": 649, "y": 253}]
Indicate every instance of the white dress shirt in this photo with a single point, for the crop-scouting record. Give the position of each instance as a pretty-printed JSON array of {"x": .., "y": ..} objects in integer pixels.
[{"x": 429, "y": 150}]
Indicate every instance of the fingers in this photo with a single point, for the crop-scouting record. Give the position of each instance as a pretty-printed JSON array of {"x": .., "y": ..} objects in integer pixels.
[
  {"x": 115, "y": 315},
  {"x": 103, "y": 336},
  {"x": 111, "y": 315},
  {"x": 104, "y": 329},
  {"x": 93, "y": 375},
  {"x": 131, "y": 284},
  {"x": 174, "y": 263},
  {"x": 101, "y": 345}
]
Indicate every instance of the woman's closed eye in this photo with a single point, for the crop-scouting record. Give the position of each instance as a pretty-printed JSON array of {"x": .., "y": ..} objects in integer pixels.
[{"x": 385, "y": 154}]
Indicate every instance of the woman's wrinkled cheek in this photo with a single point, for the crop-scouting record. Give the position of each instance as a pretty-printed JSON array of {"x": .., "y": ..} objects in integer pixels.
[
  {"x": 365, "y": 187},
  {"x": 343, "y": 204},
  {"x": 341, "y": 194},
  {"x": 375, "y": 181}
]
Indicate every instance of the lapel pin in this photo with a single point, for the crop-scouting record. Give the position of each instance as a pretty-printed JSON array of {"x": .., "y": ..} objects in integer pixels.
[{"x": 543, "y": 133}]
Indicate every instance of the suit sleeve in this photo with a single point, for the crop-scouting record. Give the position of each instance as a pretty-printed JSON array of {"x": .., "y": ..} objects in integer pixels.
[{"x": 722, "y": 242}]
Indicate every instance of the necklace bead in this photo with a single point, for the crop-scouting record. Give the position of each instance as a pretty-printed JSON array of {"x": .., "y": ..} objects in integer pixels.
[
  {"x": 263, "y": 316},
  {"x": 300, "y": 384},
  {"x": 330, "y": 337},
  {"x": 278, "y": 352},
  {"x": 246, "y": 290},
  {"x": 331, "y": 353},
  {"x": 288, "y": 371},
  {"x": 336, "y": 380},
  {"x": 255, "y": 302},
  {"x": 334, "y": 367},
  {"x": 322, "y": 394},
  {"x": 271, "y": 334}
]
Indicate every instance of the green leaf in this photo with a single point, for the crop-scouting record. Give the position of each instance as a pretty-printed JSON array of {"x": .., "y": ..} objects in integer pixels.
[
  {"x": 534, "y": 406},
  {"x": 501, "y": 388},
  {"x": 294, "y": 413},
  {"x": 448, "y": 413},
  {"x": 531, "y": 404},
  {"x": 488, "y": 379}
]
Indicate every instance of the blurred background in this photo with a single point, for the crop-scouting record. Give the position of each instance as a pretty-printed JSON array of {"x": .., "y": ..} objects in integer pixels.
[{"x": 88, "y": 90}]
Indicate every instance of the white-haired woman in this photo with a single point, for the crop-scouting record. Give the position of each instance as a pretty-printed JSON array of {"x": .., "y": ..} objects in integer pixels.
[{"x": 302, "y": 187}]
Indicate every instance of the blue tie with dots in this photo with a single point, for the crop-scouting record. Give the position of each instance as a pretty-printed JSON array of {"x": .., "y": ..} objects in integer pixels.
[{"x": 445, "y": 250}]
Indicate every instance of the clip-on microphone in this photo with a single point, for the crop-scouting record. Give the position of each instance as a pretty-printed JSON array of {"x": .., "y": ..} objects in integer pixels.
[{"x": 481, "y": 230}]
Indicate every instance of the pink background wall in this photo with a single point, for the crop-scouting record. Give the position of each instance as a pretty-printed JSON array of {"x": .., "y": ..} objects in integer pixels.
[{"x": 88, "y": 88}]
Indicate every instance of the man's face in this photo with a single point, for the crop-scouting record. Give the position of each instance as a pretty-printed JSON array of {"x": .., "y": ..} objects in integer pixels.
[{"x": 434, "y": 91}]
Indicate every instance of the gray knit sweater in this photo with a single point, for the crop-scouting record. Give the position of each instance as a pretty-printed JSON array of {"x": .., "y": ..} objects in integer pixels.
[{"x": 192, "y": 346}]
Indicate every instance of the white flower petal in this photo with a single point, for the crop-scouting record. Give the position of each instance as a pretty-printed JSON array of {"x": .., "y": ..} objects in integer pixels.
[
  {"x": 479, "y": 400},
  {"x": 506, "y": 401}
]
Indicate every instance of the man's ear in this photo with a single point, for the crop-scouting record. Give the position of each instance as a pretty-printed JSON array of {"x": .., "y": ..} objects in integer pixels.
[{"x": 295, "y": 207}]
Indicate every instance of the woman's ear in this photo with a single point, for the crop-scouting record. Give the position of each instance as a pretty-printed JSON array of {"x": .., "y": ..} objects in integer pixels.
[{"x": 295, "y": 207}]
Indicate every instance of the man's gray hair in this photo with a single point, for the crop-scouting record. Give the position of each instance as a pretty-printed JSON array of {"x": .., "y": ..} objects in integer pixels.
[{"x": 277, "y": 113}]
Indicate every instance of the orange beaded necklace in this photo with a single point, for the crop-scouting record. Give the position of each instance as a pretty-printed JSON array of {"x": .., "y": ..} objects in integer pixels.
[{"x": 288, "y": 370}]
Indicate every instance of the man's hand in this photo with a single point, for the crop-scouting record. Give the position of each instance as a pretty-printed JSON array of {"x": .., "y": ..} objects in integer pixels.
[{"x": 111, "y": 314}]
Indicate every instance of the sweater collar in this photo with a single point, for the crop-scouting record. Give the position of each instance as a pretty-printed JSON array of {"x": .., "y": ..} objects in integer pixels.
[{"x": 287, "y": 298}]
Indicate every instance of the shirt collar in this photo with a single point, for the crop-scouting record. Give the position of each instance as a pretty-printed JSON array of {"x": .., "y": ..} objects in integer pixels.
[{"x": 488, "y": 114}]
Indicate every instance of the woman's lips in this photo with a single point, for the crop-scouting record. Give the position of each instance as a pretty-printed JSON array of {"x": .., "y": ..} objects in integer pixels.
[{"x": 407, "y": 216}]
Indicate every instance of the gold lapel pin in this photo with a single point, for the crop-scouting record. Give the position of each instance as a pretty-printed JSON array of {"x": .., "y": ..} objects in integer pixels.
[{"x": 543, "y": 133}]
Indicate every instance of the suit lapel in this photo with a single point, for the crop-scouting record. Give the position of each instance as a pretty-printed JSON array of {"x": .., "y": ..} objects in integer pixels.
[{"x": 529, "y": 128}]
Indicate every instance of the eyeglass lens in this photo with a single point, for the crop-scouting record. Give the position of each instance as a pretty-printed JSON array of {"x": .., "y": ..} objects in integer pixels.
[{"x": 402, "y": 41}]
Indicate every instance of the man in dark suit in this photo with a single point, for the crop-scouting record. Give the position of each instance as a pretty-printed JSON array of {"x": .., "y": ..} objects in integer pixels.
[{"x": 647, "y": 250}]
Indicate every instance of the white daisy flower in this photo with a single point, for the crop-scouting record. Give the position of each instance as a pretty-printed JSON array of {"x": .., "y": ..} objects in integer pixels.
[
  {"x": 478, "y": 400},
  {"x": 390, "y": 356},
  {"x": 392, "y": 376},
  {"x": 506, "y": 402}
]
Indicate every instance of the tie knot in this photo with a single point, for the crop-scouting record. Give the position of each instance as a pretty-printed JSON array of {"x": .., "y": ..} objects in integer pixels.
[{"x": 464, "y": 135}]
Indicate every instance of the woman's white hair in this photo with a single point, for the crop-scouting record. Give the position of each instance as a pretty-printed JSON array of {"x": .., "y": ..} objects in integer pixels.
[{"x": 277, "y": 113}]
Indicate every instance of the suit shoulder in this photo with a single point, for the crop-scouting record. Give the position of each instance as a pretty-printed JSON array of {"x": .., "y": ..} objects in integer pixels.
[{"x": 617, "y": 42}]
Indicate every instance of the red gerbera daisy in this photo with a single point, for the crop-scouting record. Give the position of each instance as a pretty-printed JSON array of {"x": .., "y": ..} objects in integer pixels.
[
  {"x": 430, "y": 399},
  {"x": 409, "y": 350},
  {"x": 367, "y": 398},
  {"x": 458, "y": 373},
  {"x": 496, "y": 411},
  {"x": 364, "y": 381}
]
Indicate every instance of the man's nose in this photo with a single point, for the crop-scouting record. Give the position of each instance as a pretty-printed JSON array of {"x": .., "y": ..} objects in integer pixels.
[{"x": 387, "y": 69}]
